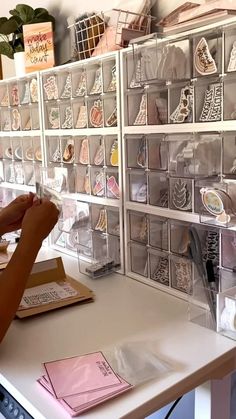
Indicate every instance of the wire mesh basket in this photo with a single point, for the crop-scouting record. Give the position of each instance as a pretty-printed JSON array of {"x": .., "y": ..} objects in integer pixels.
[
  {"x": 109, "y": 31},
  {"x": 131, "y": 25}
]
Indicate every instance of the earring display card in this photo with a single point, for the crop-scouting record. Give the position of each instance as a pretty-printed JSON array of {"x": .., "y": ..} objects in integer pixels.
[
  {"x": 181, "y": 274},
  {"x": 230, "y": 51},
  {"x": 137, "y": 186},
  {"x": 109, "y": 72},
  {"x": 208, "y": 101},
  {"x": 138, "y": 227},
  {"x": 112, "y": 184},
  {"x": 181, "y": 104},
  {"x": 207, "y": 56},
  {"x": 98, "y": 182},
  {"x": 53, "y": 116},
  {"x": 99, "y": 218},
  {"x": 159, "y": 267},
  {"x": 55, "y": 178},
  {"x": 82, "y": 180},
  {"x": 216, "y": 202},
  {"x": 79, "y": 83},
  {"x": 181, "y": 194}
]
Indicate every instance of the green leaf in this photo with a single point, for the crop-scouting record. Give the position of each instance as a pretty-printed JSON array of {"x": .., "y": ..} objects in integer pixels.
[
  {"x": 19, "y": 48},
  {"x": 14, "y": 12},
  {"x": 25, "y": 12},
  {"x": 3, "y": 20},
  {"x": 9, "y": 26},
  {"x": 6, "y": 49},
  {"x": 40, "y": 11}
]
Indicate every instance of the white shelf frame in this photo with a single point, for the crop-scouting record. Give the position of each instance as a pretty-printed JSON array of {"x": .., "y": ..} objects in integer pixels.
[
  {"x": 220, "y": 127},
  {"x": 103, "y": 131}
]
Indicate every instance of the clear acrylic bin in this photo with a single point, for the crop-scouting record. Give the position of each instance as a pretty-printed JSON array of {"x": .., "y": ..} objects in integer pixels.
[
  {"x": 157, "y": 152},
  {"x": 159, "y": 267},
  {"x": 195, "y": 155},
  {"x": 229, "y": 97},
  {"x": 228, "y": 249},
  {"x": 229, "y": 154},
  {"x": 181, "y": 194},
  {"x": 229, "y": 50},
  {"x": 207, "y": 56},
  {"x": 137, "y": 186},
  {"x": 138, "y": 227},
  {"x": 181, "y": 274},
  {"x": 56, "y": 178},
  {"x": 101, "y": 257},
  {"x": 98, "y": 218},
  {"x": 158, "y": 189},
  {"x": 82, "y": 180},
  {"x": 181, "y": 103},
  {"x": 216, "y": 202},
  {"x": 138, "y": 259},
  {"x": 158, "y": 232},
  {"x": 136, "y": 149},
  {"x": 208, "y": 100},
  {"x": 226, "y": 306}
]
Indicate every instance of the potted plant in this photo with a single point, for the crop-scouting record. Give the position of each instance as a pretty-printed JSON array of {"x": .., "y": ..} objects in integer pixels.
[{"x": 11, "y": 29}]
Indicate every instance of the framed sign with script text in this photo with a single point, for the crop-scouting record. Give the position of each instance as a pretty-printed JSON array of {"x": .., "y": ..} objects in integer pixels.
[{"x": 39, "y": 48}]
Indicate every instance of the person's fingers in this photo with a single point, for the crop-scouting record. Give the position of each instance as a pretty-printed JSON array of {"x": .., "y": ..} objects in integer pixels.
[{"x": 36, "y": 201}]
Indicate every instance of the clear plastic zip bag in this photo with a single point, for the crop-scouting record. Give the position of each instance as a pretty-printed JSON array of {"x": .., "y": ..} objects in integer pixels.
[{"x": 137, "y": 361}]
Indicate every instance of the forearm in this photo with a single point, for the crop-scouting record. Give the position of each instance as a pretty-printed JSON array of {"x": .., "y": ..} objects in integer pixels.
[{"x": 14, "y": 278}]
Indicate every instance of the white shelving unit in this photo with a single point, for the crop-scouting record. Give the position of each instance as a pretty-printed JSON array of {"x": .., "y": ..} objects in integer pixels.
[
  {"x": 129, "y": 139},
  {"x": 171, "y": 150},
  {"x": 81, "y": 115},
  {"x": 21, "y": 136}
]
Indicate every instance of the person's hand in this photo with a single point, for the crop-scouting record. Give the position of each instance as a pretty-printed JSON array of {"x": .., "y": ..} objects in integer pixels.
[
  {"x": 39, "y": 220},
  {"x": 12, "y": 215}
]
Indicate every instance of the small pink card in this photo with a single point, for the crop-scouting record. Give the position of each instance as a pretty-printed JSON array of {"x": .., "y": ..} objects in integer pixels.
[
  {"x": 80, "y": 374},
  {"x": 77, "y": 404}
]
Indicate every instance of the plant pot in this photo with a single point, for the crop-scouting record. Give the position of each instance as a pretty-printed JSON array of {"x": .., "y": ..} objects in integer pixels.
[{"x": 19, "y": 61}]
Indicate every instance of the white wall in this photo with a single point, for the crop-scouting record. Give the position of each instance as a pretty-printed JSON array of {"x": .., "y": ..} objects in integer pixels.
[{"x": 62, "y": 9}]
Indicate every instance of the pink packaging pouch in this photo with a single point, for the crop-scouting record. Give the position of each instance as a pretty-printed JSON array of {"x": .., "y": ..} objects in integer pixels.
[
  {"x": 77, "y": 404},
  {"x": 80, "y": 374}
]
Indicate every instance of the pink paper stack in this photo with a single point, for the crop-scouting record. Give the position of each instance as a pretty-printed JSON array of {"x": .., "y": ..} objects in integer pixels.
[{"x": 82, "y": 382}]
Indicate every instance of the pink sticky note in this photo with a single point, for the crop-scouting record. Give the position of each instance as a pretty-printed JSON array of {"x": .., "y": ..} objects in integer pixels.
[{"x": 80, "y": 374}]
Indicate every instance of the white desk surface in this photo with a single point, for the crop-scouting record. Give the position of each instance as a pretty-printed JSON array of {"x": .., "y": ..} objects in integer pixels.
[{"x": 123, "y": 309}]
